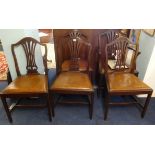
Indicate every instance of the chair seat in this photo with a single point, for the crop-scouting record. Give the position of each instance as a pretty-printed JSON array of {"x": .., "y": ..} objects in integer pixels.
[
  {"x": 27, "y": 84},
  {"x": 126, "y": 82},
  {"x": 72, "y": 81},
  {"x": 82, "y": 65}
]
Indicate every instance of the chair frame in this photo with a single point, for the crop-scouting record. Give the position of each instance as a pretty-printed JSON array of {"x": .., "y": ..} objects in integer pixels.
[
  {"x": 74, "y": 67},
  {"x": 111, "y": 36},
  {"x": 28, "y": 44},
  {"x": 108, "y": 94}
]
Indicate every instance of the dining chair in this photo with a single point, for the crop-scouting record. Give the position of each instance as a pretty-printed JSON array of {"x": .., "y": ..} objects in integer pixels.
[
  {"x": 121, "y": 80},
  {"x": 31, "y": 81},
  {"x": 76, "y": 79}
]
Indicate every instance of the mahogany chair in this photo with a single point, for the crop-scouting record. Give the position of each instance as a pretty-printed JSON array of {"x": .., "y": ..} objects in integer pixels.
[
  {"x": 32, "y": 83},
  {"x": 103, "y": 39},
  {"x": 75, "y": 80},
  {"x": 120, "y": 80}
]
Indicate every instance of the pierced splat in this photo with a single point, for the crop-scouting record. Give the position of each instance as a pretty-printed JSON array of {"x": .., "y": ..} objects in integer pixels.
[
  {"x": 29, "y": 46},
  {"x": 118, "y": 48},
  {"x": 75, "y": 43}
]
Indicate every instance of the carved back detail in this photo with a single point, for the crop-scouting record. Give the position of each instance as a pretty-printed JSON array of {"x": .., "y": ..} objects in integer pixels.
[
  {"x": 119, "y": 48},
  {"x": 74, "y": 42},
  {"x": 29, "y": 46},
  {"x": 110, "y": 35}
]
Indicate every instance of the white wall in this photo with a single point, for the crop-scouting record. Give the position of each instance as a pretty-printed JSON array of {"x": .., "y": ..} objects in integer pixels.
[
  {"x": 146, "y": 45},
  {"x": 10, "y": 36},
  {"x": 32, "y": 32},
  {"x": 149, "y": 77},
  {"x": 146, "y": 60}
]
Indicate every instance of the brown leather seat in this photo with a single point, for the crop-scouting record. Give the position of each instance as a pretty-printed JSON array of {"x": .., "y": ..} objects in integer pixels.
[
  {"x": 73, "y": 81},
  {"x": 27, "y": 84},
  {"x": 82, "y": 65},
  {"x": 126, "y": 82}
]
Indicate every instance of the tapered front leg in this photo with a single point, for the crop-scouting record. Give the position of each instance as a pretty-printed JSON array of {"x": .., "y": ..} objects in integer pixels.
[
  {"x": 99, "y": 91},
  {"x": 91, "y": 103}
]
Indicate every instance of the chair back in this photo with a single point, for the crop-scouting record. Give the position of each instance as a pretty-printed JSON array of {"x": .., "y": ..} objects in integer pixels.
[
  {"x": 30, "y": 48},
  {"x": 119, "y": 49},
  {"x": 78, "y": 48}
]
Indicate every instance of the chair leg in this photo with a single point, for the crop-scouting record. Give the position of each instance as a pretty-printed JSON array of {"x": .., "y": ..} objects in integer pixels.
[
  {"x": 91, "y": 103},
  {"x": 106, "y": 107},
  {"x": 7, "y": 109},
  {"x": 49, "y": 108},
  {"x": 91, "y": 76},
  {"x": 52, "y": 104},
  {"x": 99, "y": 85},
  {"x": 146, "y": 105}
]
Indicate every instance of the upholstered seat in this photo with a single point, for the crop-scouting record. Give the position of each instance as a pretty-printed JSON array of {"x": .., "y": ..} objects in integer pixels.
[
  {"x": 126, "y": 82},
  {"x": 73, "y": 81},
  {"x": 27, "y": 84},
  {"x": 83, "y": 65}
]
